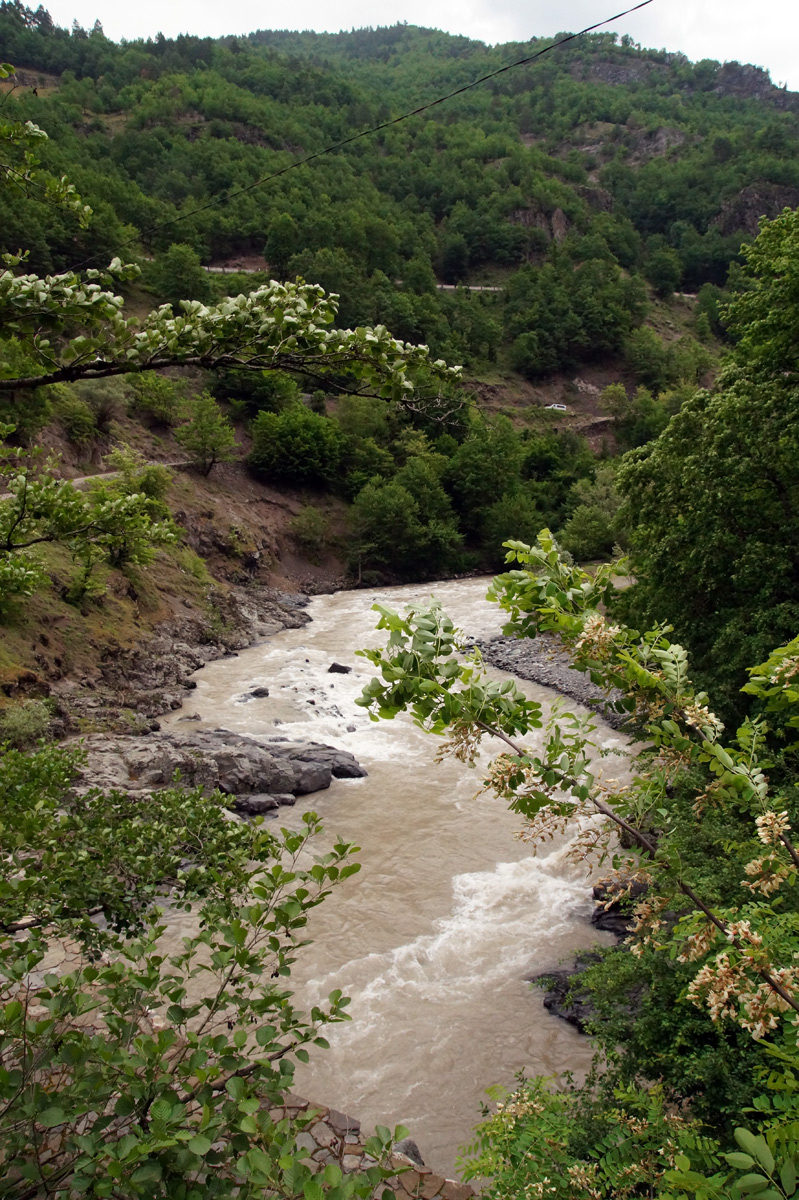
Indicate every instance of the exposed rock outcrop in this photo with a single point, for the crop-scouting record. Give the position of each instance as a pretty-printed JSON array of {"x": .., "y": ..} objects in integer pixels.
[
  {"x": 616, "y": 71},
  {"x": 153, "y": 677},
  {"x": 564, "y": 997},
  {"x": 752, "y": 83},
  {"x": 654, "y": 143},
  {"x": 261, "y": 774},
  {"x": 753, "y": 202},
  {"x": 597, "y": 198}
]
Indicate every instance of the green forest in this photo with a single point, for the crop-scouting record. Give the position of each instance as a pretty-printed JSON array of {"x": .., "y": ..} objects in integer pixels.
[{"x": 548, "y": 328}]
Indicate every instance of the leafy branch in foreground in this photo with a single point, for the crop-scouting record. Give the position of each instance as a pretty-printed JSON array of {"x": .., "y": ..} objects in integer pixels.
[
  {"x": 20, "y": 169},
  {"x": 106, "y": 522},
  {"x": 135, "y": 1062},
  {"x": 420, "y": 672},
  {"x": 720, "y": 901},
  {"x": 77, "y": 330}
]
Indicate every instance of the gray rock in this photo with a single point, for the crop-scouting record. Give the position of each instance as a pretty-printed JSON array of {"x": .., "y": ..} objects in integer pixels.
[
  {"x": 259, "y": 693},
  {"x": 543, "y": 660},
  {"x": 237, "y": 765},
  {"x": 310, "y": 777},
  {"x": 342, "y": 764},
  {"x": 255, "y": 805},
  {"x": 338, "y": 669},
  {"x": 341, "y": 1123},
  {"x": 408, "y": 1148},
  {"x": 564, "y": 997}
]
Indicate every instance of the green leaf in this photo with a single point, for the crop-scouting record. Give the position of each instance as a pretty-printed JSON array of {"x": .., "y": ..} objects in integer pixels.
[
  {"x": 756, "y": 1146},
  {"x": 51, "y": 1117},
  {"x": 236, "y": 1088},
  {"x": 750, "y": 1184},
  {"x": 200, "y": 1144},
  {"x": 741, "y": 1162},
  {"x": 161, "y": 1110},
  {"x": 788, "y": 1176},
  {"x": 148, "y": 1172}
]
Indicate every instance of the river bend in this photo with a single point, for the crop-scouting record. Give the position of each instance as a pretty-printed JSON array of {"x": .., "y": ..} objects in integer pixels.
[{"x": 434, "y": 937}]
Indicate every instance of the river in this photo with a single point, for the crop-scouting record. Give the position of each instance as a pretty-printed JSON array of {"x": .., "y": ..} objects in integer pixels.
[{"x": 434, "y": 937}]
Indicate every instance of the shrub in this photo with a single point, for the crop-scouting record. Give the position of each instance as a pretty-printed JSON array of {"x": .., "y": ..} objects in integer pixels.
[
  {"x": 249, "y": 392},
  {"x": 24, "y": 724},
  {"x": 77, "y": 419},
  {"x": 309, "y": 530},
  {"x": 296, "y": 447},
  {"x": 155, "y": 399},
  {"x": 107, "y": 399},
  {"x": 207, "y": 437}
]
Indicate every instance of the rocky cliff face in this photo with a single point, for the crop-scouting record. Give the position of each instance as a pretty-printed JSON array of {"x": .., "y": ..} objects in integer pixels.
[
  {"x": 743, "y": 212},
  {"x": 622, "y": 71},
  {"x": 742, "y": 80},
  {"x": 752, "y": 83}
]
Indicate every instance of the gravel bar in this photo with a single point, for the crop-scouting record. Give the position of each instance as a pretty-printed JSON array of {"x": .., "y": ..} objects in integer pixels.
[{"x": 543, "y": 660}]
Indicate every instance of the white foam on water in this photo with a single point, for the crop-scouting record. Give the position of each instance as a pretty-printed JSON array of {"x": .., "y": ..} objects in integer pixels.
[{"x": 501, "y": 921}]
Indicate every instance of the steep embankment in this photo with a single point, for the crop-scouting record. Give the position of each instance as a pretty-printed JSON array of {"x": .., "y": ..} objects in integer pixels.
[{"x": 120, "y": 658}]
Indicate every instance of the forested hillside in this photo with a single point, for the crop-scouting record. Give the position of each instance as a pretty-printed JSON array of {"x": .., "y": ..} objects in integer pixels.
[
  {"x": 579, "y": 183},
  {"x": 592, "y": 204}
]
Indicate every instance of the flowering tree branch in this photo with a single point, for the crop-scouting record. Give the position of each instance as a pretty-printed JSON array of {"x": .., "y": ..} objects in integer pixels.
[{"x": 648, "y": 676}]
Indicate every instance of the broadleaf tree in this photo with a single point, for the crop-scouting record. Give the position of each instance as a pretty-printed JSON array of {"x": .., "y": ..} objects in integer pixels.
[{"x": 713, "y": 502}]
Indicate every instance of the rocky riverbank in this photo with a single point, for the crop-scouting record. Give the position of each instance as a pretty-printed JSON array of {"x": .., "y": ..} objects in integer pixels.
[
  {"x": 543, "y": 660},
  {"x": 563, "y": 995},
  {"x": 131, "y": 687}
]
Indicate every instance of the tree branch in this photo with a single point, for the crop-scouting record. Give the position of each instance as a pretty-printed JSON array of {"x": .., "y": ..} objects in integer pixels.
[{"x": 649, "y": 847}]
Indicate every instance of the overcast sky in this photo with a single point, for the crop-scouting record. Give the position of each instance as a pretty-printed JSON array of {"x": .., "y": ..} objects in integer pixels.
[{"x": 765, "y": 33}]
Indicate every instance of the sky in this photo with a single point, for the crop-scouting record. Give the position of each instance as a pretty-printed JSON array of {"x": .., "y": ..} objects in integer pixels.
[{"x": 764, "y": 33}]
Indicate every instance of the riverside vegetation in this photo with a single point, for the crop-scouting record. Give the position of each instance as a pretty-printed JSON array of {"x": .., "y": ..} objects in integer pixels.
[{"x": 112, "y": 1083}]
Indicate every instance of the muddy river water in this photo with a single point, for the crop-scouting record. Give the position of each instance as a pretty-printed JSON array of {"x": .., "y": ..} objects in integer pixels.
[{"x": 433, "y": 939}]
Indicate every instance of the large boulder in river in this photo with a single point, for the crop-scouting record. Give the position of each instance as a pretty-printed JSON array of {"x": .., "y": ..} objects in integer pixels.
[{"x": 237, "y": 765}]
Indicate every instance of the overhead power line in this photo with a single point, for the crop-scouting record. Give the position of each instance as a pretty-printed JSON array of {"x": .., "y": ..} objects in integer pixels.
[{"x": 226, "y": 197}]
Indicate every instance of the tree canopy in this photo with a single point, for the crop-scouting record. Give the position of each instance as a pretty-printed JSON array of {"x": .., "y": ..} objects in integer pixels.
[{"x": 713, "y": 502}]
